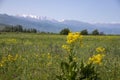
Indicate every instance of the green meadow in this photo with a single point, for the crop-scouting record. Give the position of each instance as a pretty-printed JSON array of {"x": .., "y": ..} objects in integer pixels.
[{"x": 32, "y": 56}]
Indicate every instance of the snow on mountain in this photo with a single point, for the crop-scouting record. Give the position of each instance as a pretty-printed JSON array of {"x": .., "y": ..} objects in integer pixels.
[
  {"x": 51, "y": 25},
  {"x": 30, "y": 16}
]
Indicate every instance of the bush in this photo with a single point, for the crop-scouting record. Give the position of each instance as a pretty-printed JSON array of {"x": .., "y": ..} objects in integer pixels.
[
  {"x": 95, "y": 32},
  {"x": 84, "y": 32},
  {"x": 64, "y": 31}
]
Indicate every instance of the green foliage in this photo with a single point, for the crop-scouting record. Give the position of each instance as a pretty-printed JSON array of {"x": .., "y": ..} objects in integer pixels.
[
  {"x": 18, "y": 28},
  {"x": 84, "y": 32},
  {"x": 71, "y": 70},
  {"x": 34, "y": 63},
  {"x": 95, "y": 32},
  {"x": 88, "y": 72},
  {"x": 64, "y": 31}
]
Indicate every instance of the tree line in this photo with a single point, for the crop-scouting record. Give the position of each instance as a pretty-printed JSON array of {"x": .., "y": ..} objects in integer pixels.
[
  {"x": 18, "y": 28},
  {"x": 65, "y": 31}
]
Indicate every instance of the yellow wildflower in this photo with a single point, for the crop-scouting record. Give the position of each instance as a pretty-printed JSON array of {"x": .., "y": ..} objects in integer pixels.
[
  {"x": 100, "y": 49},
  {"x": 73, "y": 37},
  {"x": 96, "y": 59},
  {"x": 4, "y": 59},
  {"x": 49, "y": 55},
  {"x": 1, "y": 65},
  {"x": 36, "y": 55},
  {"x": 11, "y": 41},
  {"x": 66, "y": 47},
  {"x": 10, "y": 58},
  {"x": 27, "y": 42},
  {"x": 75, "y": 59}
]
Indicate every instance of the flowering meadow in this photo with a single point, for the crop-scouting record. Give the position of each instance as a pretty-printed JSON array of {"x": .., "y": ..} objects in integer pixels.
[{"x": 31, "y": 56}]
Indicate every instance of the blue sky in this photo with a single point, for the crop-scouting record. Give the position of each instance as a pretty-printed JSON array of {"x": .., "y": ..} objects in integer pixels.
[{"x": 103, "y": 11}]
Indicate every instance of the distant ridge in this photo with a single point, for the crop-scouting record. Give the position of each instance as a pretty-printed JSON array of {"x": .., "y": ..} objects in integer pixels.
[{"x": 51, "y": 25}]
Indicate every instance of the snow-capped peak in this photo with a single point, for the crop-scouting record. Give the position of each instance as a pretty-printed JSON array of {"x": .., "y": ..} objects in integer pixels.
[
  {"x": 29, "y": 16},
  {"x": 62, "y": 20},
  {"x": 35, "y": 17}
]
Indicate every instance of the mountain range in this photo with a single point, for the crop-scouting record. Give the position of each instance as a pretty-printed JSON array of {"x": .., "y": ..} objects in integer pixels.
[{"x": 51, "y": 25}]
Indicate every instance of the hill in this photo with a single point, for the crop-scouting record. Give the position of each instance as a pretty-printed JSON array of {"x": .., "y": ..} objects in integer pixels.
[{"x": 52, "y": 25}]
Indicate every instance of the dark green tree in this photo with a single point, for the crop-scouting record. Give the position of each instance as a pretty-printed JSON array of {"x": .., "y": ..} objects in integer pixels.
[
  {"x": 18, "y": 28},
  {"x": 33, "y": 30},
  {"x": 95, "y": 32},
  {"x": 84, "y": 32},
  {"x": 64, "y": 31}
]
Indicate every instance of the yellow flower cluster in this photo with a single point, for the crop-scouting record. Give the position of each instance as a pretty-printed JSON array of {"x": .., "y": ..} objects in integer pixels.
[
  {"x": 27, "y": 42},
  {"x": 66, "y": 47},
  {"x": 12, "y": 58},
  {"x": 49, "y": 55},
  {"x": 100, "y": 49},
  {"x": 96, "y": 59},
  {"x": 7, "y": 59},
  {"x": 11, "y": 41},
  {"x": 73, "y": 37}
]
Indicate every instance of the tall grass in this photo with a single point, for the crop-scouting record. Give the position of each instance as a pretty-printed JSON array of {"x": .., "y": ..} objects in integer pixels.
[{"x": 39, "y": 55}]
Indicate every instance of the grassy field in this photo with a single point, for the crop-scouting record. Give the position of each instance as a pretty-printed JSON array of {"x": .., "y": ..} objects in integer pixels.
[{"x": 37, "y": 56}]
